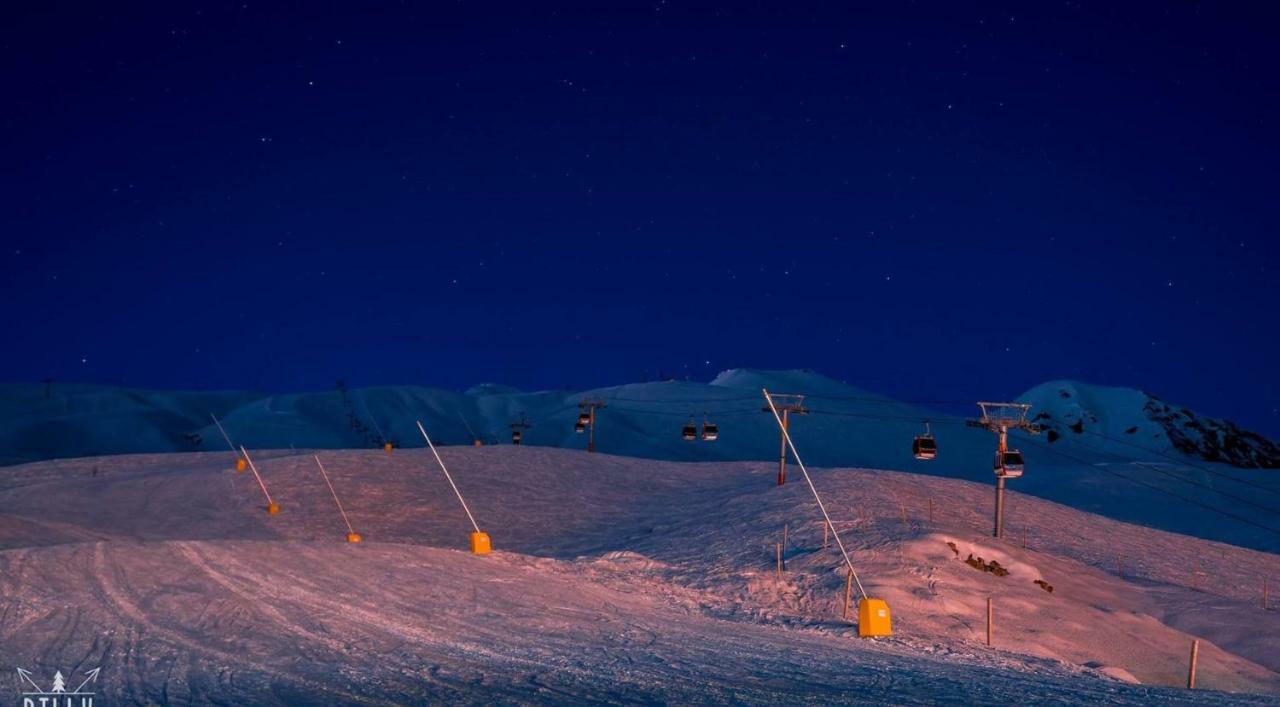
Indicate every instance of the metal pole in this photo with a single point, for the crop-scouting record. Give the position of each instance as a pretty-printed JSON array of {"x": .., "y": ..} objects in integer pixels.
[
  {"x": 448, "y": 476},
  {"x": 999, "y": 527},
  {"x": 800, "y": 463},
  {"x": 257, "y": 476},
  {"x": 1004, "y": 445},
  {"x": 591, "y": 429},
  {"x": 782, "y": 454},
  {"x": 223, "y": 431},
  {"x": 329, "y": 483}
]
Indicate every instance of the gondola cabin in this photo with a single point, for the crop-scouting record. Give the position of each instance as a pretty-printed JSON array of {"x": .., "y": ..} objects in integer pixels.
[
  {"x": 517, "y": 436},
  {"x": 1009, "y": 464},
  {"x": 580, "y": 427},
  {"x": 710, "y": 432},
  {"x": 924, "y": 447},
  {"x": 689, "y": 432}
]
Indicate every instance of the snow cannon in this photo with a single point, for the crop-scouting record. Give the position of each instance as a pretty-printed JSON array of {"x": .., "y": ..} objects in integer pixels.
[
  {"x": 354, "y": 538},
  {"x": 480, "y": 543},
  {"x": 874, "y": 618},
  {"x": 387, "y": 447},
  {"x": 241, "y": 464},
  {"x": 273, "y": 508}
]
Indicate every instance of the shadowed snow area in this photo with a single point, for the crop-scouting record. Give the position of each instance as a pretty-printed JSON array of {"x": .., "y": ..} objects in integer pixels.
[{"x": 613, "y": 579}]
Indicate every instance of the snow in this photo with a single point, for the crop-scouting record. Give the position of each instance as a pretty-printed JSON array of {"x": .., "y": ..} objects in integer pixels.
[
  {"x": 614, "y": 579},
  {"x": 1139, "y": 477}
]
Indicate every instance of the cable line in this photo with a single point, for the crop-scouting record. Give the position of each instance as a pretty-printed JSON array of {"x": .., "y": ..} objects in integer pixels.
[{"x": 1158, "y": 489}]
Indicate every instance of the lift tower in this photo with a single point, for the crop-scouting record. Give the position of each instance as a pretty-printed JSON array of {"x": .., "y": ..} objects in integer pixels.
[
  {"x": 587, "y": 420},
  {"x": 518, "y": 428},
  {"x": 1000, "y": 418},
  {"x": 786, "y": 404}
]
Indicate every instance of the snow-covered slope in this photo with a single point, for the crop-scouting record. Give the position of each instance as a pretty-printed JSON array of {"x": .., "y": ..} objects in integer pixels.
[
  {"x": 1141, "y": 476},
  {"x": 614, "y": 579}
]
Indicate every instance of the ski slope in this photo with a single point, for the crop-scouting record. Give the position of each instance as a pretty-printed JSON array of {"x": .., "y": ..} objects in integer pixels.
[
  {"x": 1112, "y": 451},
  {"x": 614, "y": 579}
]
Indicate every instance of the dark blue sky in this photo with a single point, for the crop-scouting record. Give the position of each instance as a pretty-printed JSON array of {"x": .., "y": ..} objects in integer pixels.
[{"x": 935, "y": 201}]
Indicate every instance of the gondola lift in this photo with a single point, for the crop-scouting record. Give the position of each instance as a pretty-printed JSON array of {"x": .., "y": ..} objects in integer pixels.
[{"x": 924, "y": 446}]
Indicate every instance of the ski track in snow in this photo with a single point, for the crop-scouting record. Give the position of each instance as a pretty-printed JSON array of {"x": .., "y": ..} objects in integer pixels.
[{"x": 614, "y": 581}]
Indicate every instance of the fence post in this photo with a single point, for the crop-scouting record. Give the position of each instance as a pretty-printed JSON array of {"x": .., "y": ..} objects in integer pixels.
[
  {"x": 1191, "y": 672},
  {"x": 778, "y": 548},
  {"x": 990, "y": 620},
  {"x": 848, "y": 592}
]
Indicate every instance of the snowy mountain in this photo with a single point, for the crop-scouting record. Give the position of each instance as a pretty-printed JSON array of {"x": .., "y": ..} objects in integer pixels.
[
  {"x": 1112, "y": 451},
  {"x": 1124, "y": 419}
]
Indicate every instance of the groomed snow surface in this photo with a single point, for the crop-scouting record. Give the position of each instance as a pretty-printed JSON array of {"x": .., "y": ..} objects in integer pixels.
[{"x": 613, "y": 580}]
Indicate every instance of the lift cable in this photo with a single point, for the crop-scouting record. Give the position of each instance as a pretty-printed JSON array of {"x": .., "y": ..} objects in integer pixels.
[
  {"x": 1193, "y": 465},
  {"x": 1158, "y": 489},
  {"x": 1165, "y": 472}
]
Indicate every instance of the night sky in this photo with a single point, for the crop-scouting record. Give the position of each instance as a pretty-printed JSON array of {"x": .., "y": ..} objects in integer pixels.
[{"x": 933, "y": 201}]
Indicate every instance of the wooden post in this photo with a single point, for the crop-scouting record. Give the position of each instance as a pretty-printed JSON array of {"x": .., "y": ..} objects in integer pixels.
[
  {"x": 1191, "y": 672},
  {"x": 848, "y": 592},
  {"x": 931, "y": 511},
  {"x": 778, "y": 548},
  {"x": 1024, "y": 538},
  {"x": 1195, "y": 577},
  {"x": 990, "y": 620},
  {"x": 903, "y": 507},
  {"x": 826, "y": 530},
  {"x": 1266, "y": 591},
  {"x": 785, "y": 534}
]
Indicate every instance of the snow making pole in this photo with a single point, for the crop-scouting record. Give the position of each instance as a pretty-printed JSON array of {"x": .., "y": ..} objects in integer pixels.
[
  {"x": 386, "y": 444},
  {"x": 873, "y": 614},
  {"x": 352, "y": 535},
  {"x": 240, "y": 461},
  {"x": 479, "y": 541},
  {"x": 272, "y": 508}
]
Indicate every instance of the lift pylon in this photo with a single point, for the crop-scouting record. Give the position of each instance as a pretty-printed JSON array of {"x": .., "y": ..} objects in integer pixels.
[
  {"x": 785, "y": 404},
  {"x": 999, "y": 418}
]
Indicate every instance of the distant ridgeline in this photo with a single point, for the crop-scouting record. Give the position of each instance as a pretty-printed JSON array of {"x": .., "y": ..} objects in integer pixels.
[
  {"x": 1121, "y": 418},
  {"x": 846, "y": 426}
]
